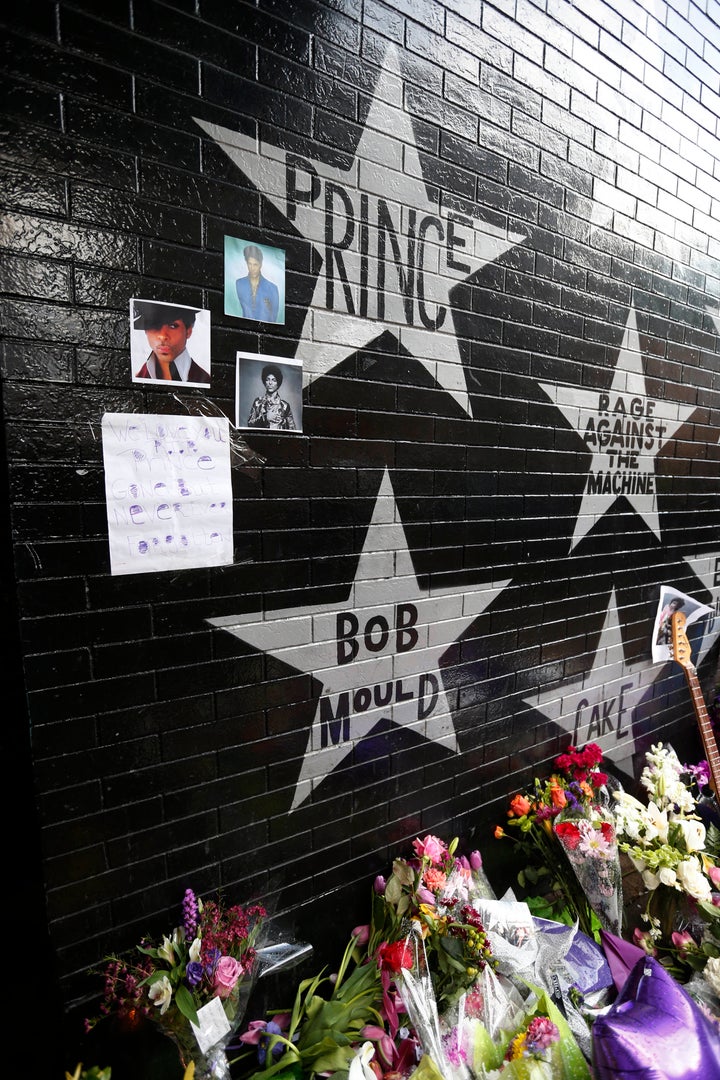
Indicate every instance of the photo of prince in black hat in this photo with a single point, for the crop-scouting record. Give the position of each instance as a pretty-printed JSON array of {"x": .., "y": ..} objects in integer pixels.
[{"x": 167, "y": 330}]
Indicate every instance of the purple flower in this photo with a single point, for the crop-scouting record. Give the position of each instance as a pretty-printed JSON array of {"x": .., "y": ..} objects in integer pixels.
[
  {"x": 194, "y": 973},
  {"x": 475, "y": 860},
  {"x": 258, "y": 1034},
  {"x": 190, "y": 915},
  {"x": 700, "y": 773},
  {"x": 212, "y": 960},
  {"x": 379, "y": 885}
]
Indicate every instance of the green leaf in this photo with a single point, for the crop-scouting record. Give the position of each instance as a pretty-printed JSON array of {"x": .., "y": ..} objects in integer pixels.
[
  {"x": 185, "y": 1003},
  {"x": 486, "y": 1053},
  {"x": 403, "y": 872},
  {"x": 393, "y": 889},
  {"x": 336, "y": 1057},
  {"x": 427, "y": 1070}
]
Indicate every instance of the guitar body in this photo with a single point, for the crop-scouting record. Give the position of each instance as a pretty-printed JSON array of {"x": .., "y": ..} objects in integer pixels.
[{"x": 683, "y": 655}]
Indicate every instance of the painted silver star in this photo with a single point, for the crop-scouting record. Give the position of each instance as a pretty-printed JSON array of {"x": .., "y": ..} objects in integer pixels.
[
  {"x": 386, "y": 167},
  {"x": 597, "y": 708},
  {"x": 625, "y": 429},
  {"x": 381, "y": 670}
]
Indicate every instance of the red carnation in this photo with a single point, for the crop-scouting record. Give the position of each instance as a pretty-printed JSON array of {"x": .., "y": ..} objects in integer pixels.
[
  {"x": 394, "y": 956},
  {"x": 568, "y": 833}
]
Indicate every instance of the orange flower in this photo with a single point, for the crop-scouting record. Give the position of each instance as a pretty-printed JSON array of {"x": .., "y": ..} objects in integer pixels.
[
  {"x": 557, "y": 796},
  {"x": 434, "y": 879},
  {"x": 519, "y": 805},
  {"x": 499, "y": 832}
]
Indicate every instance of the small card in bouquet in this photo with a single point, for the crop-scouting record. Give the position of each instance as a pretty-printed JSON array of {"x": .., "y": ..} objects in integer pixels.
[{"x": 214, "y": 1024}]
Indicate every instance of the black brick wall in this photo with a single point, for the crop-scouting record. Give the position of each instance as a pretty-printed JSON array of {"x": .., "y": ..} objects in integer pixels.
[{"x": 156, "y": 750}]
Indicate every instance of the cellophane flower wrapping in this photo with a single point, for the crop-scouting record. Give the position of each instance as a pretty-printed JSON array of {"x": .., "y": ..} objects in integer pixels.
[
  {"x": 420, "y": 1002},
  {"x": 544, "y": 1047},
  {"x": 546, "y": 875},
  {"x": 477, "y": 1029},
  {"x": 563, "y": 961},
  {"x": 588, "y": 837},
  {"x": 496, "y": 1035}
]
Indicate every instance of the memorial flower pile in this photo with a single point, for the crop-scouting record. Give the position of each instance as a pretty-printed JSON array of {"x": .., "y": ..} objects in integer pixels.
[
  {"x": 566, "y": 835},
  {"x": 416, "y": 993}
]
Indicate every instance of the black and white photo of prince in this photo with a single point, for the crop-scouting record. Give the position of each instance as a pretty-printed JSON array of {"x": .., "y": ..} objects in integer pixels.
[
  {"x": 160, "y": 343},
  {"x": 270, "y": 410},
  {"x": 269, "y": 393}
]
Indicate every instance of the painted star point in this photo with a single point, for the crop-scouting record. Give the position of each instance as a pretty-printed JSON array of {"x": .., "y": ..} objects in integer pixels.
[
  {"x": 376, "y": 653},
  {"x": 391, "y": 252}
]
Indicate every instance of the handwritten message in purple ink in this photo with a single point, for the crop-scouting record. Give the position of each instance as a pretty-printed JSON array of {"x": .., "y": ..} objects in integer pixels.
[{"x": 168, "y": 492}]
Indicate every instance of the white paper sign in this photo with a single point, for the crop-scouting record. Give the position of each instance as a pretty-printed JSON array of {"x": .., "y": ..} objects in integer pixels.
[
  {"x": 168, "y": 492},
  {"x": 214, "y": 1024},
  {"x": 671, "y": 601}
]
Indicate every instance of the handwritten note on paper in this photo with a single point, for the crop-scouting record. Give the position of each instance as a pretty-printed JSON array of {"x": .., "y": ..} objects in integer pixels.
[{"x": 168, "y": 492}]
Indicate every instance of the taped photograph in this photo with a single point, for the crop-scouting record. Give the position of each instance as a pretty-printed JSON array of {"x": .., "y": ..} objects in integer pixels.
[
  {"x": 268, "y": 393},
  {"x": 169, "y": 343},
  {"x": 254, "y": 281}
]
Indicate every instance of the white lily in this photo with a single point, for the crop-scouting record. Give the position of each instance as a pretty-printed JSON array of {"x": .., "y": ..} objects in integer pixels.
[{"x": 160, "y": 993}]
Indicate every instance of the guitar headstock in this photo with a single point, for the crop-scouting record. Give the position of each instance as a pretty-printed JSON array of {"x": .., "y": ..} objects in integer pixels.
[{"x": 680, "y": 645}]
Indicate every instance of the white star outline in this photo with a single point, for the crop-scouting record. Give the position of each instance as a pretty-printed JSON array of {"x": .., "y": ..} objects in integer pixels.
[
  {"x": 610, "y": 701},
  {"x": 386, "y": 166},
  {"x": 579, "y": 406},
  {"x": 306, "y": 638}
]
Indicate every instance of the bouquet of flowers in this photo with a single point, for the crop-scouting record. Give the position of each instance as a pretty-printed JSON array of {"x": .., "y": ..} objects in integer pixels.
[
  {"x": 568, "y": 839},
  {"x": 195, "y": 983},
  {"x": 587, "y": 836},
  {"x": 439, "y": 890},
  {"x": 677, "y": 857}
]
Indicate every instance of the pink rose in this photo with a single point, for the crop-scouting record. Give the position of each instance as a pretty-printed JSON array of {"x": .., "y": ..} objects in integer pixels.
[
  {"x": 227, "y": 973},
  {"x": 430, "y": 848}
]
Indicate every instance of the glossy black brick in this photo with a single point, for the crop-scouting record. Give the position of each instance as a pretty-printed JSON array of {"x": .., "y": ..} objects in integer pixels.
[{"x": 166, "y": 748}]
